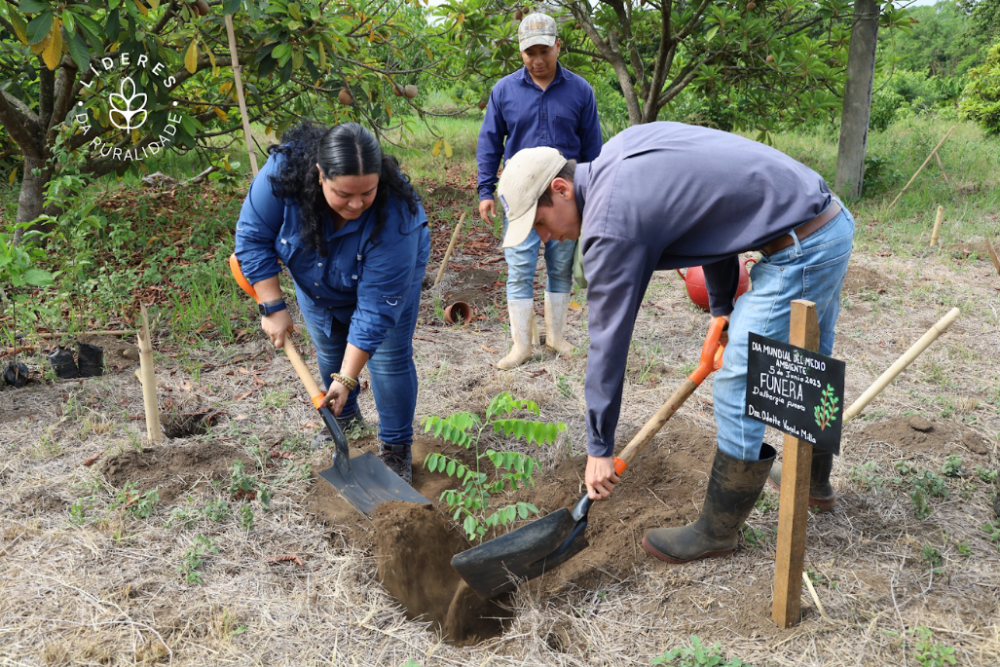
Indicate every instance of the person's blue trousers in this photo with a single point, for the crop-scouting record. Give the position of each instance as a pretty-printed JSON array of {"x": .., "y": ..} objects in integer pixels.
[
  {"x": 522, "y": 261},
  {"x": 393, "y": 372},
  {"x": 812, "y": 269}
]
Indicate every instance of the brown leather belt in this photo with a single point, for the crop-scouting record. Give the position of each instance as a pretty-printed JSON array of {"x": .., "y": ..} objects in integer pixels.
[{"x": 802, "y": 230}]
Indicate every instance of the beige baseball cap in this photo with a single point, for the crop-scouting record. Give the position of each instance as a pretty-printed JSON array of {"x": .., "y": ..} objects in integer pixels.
[
  {"x": 525, "y": 177},
  {"x": 536, "y": 29}
]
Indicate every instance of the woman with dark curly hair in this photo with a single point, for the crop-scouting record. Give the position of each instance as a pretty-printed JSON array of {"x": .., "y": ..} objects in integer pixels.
[{"x": 350, "y": 229}]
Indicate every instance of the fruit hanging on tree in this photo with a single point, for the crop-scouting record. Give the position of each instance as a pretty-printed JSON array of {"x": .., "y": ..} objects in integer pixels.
[
  {"x": 345, "y": 97},
  {"x": 410, "y": 91}
]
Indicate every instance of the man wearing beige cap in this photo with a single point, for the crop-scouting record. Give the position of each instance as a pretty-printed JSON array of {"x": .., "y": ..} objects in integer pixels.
[
  {"x": 543, "y": 104},
  {"x": 664, "y": 196}
]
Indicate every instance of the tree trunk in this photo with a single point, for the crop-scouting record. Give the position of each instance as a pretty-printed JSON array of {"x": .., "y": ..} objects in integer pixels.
[
  {"x": 857, "y": 100},
  {"x": 30, "y": 204}
]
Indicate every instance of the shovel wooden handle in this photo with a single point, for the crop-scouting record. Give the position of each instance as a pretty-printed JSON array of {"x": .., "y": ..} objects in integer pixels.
[
  {"x": 300, "y": 367},
  {"x": 711, "y": 360}
]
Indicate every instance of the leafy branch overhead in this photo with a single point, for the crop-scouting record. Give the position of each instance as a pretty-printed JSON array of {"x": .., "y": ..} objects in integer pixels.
[{"x": 60, "y": 62}]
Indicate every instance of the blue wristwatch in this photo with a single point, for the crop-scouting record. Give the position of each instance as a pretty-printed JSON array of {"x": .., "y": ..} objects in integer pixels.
[{"x": 269, "y": 307}]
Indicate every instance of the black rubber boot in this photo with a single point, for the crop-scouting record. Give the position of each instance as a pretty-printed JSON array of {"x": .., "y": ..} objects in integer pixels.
[
  {"x": 733, "y": 490},
  {"x": 352, "y": 426},
  {"x": 398, "y": 458},
  {"x": 821, "y": 493}
]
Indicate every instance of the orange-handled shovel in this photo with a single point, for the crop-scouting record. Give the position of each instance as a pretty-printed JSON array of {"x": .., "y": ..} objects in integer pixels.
[
  {"x": 498, "y": 566},
  {"x": 364, "y": 481}
]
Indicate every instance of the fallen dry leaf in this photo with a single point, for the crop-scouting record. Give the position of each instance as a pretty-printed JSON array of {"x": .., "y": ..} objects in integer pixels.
[
  {"x": 90, "y": 460},
  {"x": 285, "y": 558}
]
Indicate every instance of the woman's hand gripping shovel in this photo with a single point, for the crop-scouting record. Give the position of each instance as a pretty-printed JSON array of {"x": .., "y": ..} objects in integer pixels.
[
  {"x": 364, "y": 481},
  {"x": 499, "y": 565}
]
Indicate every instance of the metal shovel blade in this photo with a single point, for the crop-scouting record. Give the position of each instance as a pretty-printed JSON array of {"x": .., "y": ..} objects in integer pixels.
[
  {"x": 364, "y": 481},
  {"x": 498, "y": 566}
]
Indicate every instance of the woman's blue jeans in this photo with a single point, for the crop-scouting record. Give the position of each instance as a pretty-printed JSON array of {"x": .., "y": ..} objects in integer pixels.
[
  {"x": 393, "y": 373},
  {"x": 812, "y": 269},
  {"x": 522, "y": 261}
]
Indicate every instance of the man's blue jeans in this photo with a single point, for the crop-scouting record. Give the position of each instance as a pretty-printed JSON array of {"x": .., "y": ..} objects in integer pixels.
[
  {"x": 522, "y": 260},
  {"x": 393, "y": 373},
  {"x": 812, "y": 269}
]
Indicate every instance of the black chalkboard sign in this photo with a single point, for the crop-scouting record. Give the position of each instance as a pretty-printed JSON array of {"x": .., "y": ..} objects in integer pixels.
[{"x": 796, "y": 391}]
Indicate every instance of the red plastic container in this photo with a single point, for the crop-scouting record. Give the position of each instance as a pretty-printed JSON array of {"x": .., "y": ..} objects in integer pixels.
[{"x": 694, "y": 282}]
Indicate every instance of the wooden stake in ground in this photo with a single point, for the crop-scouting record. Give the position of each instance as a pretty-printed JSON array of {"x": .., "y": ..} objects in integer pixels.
[
  {"x": 900, "y": 364},
  {"x": 113, "y": 332},
  {"x": 993, "y": 255},
  {"x": 451, "y": 246},
  {"x": 941, "y": 166},
  {"x": 914, "y": 177},
  {"x": 148, "y": 378},
  {"x": 793, "y": 508},
  {"x": 239, "y": 92},
  {"x": 937, "y": 226}
]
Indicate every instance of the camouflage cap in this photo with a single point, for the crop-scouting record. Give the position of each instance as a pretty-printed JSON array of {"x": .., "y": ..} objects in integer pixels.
[{"x": 536, "y": 29}]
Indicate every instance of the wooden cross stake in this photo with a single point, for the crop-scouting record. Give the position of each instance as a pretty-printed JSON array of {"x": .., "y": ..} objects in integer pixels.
[{"x": 793, "y": 508}]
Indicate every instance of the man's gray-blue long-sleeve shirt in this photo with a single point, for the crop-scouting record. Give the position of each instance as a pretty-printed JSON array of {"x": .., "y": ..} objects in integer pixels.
[
  {"x": 665, "y": 196},
  {"x": 563, "y": 116}
]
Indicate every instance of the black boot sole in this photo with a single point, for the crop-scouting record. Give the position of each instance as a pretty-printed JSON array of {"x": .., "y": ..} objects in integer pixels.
[{"x": 656, "y": 553}]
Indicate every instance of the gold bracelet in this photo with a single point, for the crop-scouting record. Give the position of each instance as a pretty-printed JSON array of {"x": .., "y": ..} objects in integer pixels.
[{"x": 348, "y": 382}]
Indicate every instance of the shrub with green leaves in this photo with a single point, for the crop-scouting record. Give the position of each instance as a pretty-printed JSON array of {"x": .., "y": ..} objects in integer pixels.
[
  {"x": 981, "y": 99},
  {"x": 952, "y": 466},
  {"x": 139, "y": 505},
  {"x": 930, "y": 653},
  {"x": 470, "y": 502},
  {"x": 244, "y": 486},
  {"x": 194, "y": 558},
  {"x": 697, "y": 655},
  {"x": 19, "y": 271}
]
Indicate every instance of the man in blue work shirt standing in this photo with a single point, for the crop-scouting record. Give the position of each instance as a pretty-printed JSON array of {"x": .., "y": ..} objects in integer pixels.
[
  {"x": 543, "y": 104},
  {"x": 664, "y": 196}
]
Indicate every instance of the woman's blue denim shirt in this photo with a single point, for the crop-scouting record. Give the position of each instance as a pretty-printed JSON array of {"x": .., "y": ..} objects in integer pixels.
[{"x": 359, "y": 280}]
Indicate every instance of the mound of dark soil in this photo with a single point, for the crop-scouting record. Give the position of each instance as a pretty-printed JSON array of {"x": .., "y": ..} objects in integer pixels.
[
  {"x": 173, "y": 470},
  {"x": 862, "y": 279},
  {"x": 664, "y": 486},
  {"x": 326, "y": 504},
  {"x": 918, "y": 434}
]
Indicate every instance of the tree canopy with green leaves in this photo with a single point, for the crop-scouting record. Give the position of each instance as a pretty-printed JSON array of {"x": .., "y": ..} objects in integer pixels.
[
  {"x": 135, "y": 75},
  {"x": 756, "y": 64}
]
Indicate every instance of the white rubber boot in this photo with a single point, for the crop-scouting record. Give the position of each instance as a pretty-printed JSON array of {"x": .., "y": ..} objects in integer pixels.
[
  {"x": 523, "y": 330},
  {"x": 556, "y": 309}
]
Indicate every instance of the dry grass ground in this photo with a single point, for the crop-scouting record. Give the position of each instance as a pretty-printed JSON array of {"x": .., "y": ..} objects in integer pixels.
[
  {"x": 86, "y": 582},
  {"x": 92, "y": 572}
]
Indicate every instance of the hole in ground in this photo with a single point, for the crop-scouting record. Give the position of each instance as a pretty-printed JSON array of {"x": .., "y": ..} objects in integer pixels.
[{"x": 413, "y": 548}]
